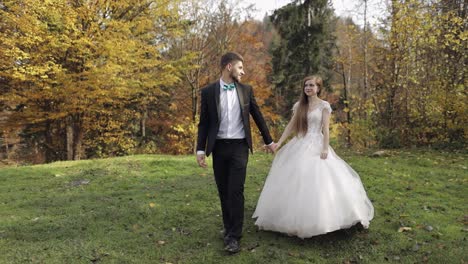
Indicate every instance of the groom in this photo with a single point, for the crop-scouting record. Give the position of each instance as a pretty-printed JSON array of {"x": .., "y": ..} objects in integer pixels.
[{"x": 224, "y": 130}]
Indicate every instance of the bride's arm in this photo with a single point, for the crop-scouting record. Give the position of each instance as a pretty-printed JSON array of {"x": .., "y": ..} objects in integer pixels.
[
  {"x": 288, "y": 130},
  {"x": 325, "y": 132},
  {"x": 286, "y": 133}
]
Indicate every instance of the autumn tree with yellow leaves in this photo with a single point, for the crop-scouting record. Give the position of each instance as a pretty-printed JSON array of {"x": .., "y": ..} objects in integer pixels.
[
  {"x": 79, "y": 75},
  {"x": 416, "y": 65}
]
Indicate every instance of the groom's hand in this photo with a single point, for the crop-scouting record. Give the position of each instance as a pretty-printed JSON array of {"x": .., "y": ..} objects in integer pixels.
[
  {"x": 271, "y": 148},
  {"x": 201, "y": 160}
]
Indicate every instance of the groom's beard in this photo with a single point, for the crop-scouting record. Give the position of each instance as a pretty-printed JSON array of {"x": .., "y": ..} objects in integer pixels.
[{"x": 235, "y": 78}]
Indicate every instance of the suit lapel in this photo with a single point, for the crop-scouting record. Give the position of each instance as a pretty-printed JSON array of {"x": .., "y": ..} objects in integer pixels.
[
  {"x": 216, "y": 95},
  {"x": 241, "y": 95}
]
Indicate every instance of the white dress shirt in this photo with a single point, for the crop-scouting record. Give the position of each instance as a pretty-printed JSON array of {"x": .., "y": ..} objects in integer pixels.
[{"x": 231, "y": 126}]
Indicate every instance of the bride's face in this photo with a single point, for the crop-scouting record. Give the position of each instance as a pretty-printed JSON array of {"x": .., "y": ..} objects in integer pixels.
[{"x": 311, "y": 88}]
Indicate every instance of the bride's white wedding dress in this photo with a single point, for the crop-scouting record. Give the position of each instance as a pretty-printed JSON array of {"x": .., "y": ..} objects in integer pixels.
[{"x": 305, "y": 195}]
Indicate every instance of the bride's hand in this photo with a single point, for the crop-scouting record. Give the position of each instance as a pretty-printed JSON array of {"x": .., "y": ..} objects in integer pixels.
[
  {"x": 324, "y": 154},
  {"x": 275, "y": 147}
]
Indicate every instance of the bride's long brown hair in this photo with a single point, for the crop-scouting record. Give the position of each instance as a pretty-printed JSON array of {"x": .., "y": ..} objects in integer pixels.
[{"x": 299, "y": 121}]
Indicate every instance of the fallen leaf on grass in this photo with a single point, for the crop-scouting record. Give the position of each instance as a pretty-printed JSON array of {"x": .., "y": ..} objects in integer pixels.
[
  {"x": 429, "y": 228},
  {"x": 161, "y": 242},
  {"x": 184, "y": 232},
  {"x": 350, "y": 261},
  {"x": 464, "y": 220},
  {"x": 79, "y": 182},
  {"x": 404, "y": 229}
]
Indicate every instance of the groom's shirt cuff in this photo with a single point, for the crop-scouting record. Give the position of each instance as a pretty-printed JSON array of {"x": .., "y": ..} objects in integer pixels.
[{"x": 200, "y": 152}]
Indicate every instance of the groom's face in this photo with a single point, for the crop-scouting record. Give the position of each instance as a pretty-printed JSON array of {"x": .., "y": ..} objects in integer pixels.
[{"x": 236, "y": 70}]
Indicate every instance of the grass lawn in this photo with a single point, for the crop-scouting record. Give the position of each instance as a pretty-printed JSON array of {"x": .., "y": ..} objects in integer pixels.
[{"x": 164, "y": 209}]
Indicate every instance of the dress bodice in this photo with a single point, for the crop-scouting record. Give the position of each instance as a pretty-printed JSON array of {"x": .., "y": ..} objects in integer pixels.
[{"x": 314, "y": 118}]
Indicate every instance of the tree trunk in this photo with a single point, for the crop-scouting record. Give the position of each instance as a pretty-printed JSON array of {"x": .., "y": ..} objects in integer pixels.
[
  {"x": 7, "y": 150},
  {"x": 143, "y": 122},
  {"x": 365, "y": 55},
  {"x": 77, "y": 143},
  {"x": 77, "y": 137},
  {"x": 69, "y": 130},
  {"x": 49, "y": 149},
  {"x": 195, "y": 90},
  {"x": 346, "y": 103}
]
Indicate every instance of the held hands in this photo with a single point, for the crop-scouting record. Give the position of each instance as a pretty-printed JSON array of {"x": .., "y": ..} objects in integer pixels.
[
  {"x": 201, "y": 160},
  {"x": 271, "y": 148}
]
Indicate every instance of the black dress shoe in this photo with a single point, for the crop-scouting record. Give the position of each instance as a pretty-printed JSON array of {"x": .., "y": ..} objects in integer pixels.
[
  {"x": 232, "y": 246},
  {"x": 226, "y": 239}
]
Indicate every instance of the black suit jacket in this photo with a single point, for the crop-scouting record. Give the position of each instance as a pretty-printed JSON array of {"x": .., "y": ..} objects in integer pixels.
[{"x": 210, "y": 116}]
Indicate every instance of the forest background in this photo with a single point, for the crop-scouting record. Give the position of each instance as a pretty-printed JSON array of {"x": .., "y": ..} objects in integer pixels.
[{"x": 86, "y": 79}]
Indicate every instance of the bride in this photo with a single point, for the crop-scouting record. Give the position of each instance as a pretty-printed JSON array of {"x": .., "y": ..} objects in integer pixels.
[{"x": 310, "y": 190}]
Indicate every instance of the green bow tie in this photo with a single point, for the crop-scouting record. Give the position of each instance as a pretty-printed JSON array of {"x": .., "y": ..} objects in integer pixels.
[{"x": 229, "y": 86}]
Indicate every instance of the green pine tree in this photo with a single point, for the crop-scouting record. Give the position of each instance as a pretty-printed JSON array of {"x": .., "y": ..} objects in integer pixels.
[{"x": 304, "y": 46}]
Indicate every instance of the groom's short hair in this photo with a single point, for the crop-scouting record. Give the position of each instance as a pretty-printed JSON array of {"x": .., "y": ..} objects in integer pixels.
[{"x": 230, "y": 57}]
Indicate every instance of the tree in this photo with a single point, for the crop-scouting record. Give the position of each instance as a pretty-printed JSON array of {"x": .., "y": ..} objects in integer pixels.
[
  {"x": 426, "y": 66},
  {"x": 74, "y": 68},
  {"x": 304, "y": 48}
]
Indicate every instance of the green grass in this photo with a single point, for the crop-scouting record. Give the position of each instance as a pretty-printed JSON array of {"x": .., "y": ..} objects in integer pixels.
[{"x": 164, "y": 209}]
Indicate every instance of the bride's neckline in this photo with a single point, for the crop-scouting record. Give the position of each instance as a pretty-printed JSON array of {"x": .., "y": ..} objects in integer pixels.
[{"x": 317, "y": 106}]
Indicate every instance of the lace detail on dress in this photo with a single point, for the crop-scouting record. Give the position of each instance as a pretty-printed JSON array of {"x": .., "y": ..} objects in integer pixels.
[
  {"x": 326, "y": 105},
  {"x": 321, "y": 106},
  {"x": 314, "y": 118}
]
